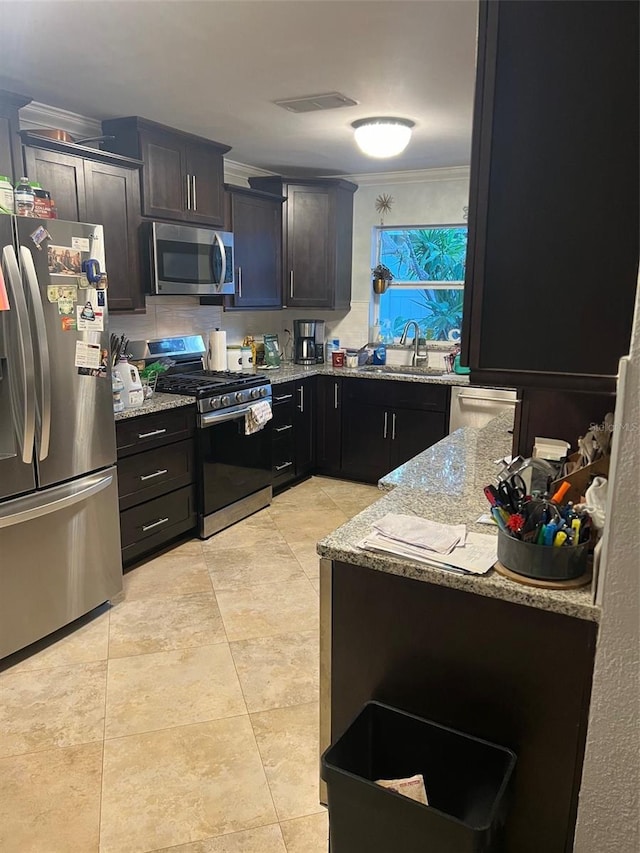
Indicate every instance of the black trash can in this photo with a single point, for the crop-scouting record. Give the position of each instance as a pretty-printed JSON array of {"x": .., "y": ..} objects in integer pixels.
[{"x": 466, "y": 781}]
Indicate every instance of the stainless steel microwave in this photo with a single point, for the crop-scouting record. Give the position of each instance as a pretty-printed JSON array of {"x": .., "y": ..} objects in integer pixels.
[{"x": 186, "y": 260}]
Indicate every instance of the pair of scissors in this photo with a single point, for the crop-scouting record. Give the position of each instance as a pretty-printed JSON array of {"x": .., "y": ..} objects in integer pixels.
[{"x": 512, "y": 492}]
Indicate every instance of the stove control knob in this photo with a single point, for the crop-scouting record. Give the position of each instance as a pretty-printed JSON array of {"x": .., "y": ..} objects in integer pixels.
[
  {"x": 263, "y": 392},
  {"x": 238, "y": 396},
  {"x": 215, "y": 403},
  {"x": 255, "y": 393},
  {"x": 225, "y": 400}
]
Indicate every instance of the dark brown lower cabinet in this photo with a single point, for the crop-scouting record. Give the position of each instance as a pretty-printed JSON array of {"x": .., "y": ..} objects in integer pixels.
[
  {"x": 156, "y": 480},
  {"x": 511, "y": 674},
  {"x": 385, "y": 423},
  {"x": 294, "y": 431},
  {"x": 329, "y": 425}
]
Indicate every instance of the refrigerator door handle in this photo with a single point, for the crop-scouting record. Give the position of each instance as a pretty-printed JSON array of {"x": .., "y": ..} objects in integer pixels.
[
  {"x": 64, "y": 496},
  {"x": 42, "y": 345},
  {"x": 27, "y": 425}
]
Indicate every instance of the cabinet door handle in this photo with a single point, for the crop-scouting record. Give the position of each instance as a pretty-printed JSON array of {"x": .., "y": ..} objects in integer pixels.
[
  {"x": 301, "y": 392},
  {"x": 154, "y": 524},
  {"x": 284, "y": 397},
  {"x": 291, "y": 284},
  {"x": 240, "y": 282},
  {"x": 283, "y": 428},
  {"x": 193, "y": 195},
  {"x": 393, "y": 427},
  {"x": 386, "y": 422},
  {"x": 159, "y": 473},
  {"x": 153, "y": 432},
  {"x": 187, "y": 178},
  {"x": 284, "y": 465},
  {"x": 335, "y": 395}
]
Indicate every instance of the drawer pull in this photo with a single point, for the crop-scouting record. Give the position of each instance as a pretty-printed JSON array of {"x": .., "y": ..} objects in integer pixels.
[
  {"x": 153, "y": 432},
  {"x": 159, "y": 473},
  {"x": 154, "y": 524},
  {"x": 284, "y": 465},
  {"x": 283, "y": 428},
  {"x": 284, "y": 397}
]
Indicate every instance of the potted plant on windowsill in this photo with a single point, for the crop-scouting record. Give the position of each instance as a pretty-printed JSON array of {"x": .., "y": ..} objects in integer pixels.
[{"x": 381, "y": 277}]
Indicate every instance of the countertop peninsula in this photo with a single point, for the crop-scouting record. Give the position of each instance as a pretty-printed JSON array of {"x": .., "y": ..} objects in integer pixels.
[{"x": 444, "y": 483}]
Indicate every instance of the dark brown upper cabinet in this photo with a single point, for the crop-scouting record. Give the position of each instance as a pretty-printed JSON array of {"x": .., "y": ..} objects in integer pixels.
[
  {"x": 92, "y": 186},
  {"x": 10, "y": 146},
  {"x": 256, "y": 221},
  {"x": 182, "y": 176},
  {"x": 317, "y": 239},
  {"x": 552, "y": 259}
]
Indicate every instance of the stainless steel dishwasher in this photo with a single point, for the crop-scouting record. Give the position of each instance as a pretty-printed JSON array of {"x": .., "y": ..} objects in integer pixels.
[{"x": 475, "y": 407}]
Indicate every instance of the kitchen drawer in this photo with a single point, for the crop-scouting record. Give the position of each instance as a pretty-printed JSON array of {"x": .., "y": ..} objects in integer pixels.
[
  {"x": 149, "y": 475},
  {"x": 147, "y": 431},
  {"x": 283, "y": 457},
  {"x": 282, "y": 394},
  {"x": 157, "y": 521}
]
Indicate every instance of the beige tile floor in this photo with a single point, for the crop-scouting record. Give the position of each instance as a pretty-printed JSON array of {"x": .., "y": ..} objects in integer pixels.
[{"x": 185, "y": 717}]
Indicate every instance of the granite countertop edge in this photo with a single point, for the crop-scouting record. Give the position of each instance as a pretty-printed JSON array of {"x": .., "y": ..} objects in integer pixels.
[
  {"x": 158, "y": 403},
  {"x": 445, "y": 483}
]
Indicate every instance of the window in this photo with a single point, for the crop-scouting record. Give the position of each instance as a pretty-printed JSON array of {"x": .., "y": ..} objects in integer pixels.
[{"x": 428, "y": 279}]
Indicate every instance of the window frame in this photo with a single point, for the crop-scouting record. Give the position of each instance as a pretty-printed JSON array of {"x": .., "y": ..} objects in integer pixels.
[{"x": 417, "y": 284}]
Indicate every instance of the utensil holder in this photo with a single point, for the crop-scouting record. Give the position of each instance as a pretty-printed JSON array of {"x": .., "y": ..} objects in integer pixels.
[{"x": 544, "y": 562}]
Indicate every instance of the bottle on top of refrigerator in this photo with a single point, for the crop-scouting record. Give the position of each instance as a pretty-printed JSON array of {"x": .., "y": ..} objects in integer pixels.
[
  {"x": 43, "y": 207},
  {"x": 24, "y": 197},
  {"x": 6, "y": 195}
]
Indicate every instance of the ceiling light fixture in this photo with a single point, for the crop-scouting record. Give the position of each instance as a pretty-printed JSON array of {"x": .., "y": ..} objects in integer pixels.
[{"x": 382, "y": 137}]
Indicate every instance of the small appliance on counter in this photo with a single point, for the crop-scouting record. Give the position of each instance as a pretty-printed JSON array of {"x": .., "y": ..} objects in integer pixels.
[{"x": 308, "y": 337}]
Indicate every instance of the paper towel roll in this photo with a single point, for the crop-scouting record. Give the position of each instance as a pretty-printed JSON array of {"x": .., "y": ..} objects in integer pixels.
[{"x": 217, "y": 350}]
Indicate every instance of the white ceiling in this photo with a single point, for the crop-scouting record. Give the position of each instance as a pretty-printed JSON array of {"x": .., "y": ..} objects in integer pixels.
[{"x": 214, "y": 68}]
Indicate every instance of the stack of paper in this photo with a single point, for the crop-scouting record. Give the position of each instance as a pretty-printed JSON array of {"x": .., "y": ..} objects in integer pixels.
[{"x": 442, "y": 545}]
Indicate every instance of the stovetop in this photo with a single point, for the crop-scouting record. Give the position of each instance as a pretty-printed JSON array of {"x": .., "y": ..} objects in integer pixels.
[{"x": 206, "y": 383}]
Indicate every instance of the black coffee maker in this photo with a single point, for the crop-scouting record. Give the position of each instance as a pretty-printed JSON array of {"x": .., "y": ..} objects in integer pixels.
[{"x": 308, "y": 341}]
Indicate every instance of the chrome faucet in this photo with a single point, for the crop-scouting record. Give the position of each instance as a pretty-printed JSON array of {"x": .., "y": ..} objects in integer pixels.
[{"x": 417, "y": 357}]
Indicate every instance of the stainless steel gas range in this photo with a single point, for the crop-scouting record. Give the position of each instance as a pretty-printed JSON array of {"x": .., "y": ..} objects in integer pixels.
[{"x": 234, "y": 469}]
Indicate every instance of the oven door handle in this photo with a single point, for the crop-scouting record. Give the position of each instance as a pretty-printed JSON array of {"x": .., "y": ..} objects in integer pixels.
[{"x": 213, "y": 418}]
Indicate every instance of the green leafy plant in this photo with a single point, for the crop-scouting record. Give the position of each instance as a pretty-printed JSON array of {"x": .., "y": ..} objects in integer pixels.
[
  {"x": 382, "y": 272},
  {"x": 443, "y": 309},
  {"x": 426, "y": 254}
]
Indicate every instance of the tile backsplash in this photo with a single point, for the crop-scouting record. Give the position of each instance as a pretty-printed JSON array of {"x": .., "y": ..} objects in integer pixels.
[{"x": 181, "y": 315}]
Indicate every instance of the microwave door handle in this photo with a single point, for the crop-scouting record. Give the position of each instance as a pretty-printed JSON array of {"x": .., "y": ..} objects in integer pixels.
[
  {"x": 223, "y": 259},
  {"x": 31, "y": 278},
  {"x": 28, "y": 424}
]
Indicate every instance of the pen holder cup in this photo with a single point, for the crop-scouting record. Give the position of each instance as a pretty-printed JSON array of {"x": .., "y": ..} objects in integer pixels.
[{"x": 544, "y": 562}]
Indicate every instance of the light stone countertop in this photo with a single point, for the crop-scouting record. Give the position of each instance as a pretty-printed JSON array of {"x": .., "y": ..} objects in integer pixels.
[
  {"x": 444, "y": 483},
  {"x": 289, "y": 372},
  {"x": 158, "y": 403}
]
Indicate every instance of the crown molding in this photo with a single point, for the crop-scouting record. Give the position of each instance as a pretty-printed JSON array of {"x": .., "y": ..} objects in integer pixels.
[
  {"x": 239, "y": 173},
  {"x": 36, "y": 115},
  {"x": 416, "y": 176}
]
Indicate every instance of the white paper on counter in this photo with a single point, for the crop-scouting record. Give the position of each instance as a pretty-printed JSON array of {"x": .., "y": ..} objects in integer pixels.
[
  {"x": 421, "y": 532},
  {"x": 476, "y": 557}
]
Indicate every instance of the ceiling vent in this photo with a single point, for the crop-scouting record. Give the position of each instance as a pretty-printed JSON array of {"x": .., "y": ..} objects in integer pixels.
[{"x": 313, "y": 103}]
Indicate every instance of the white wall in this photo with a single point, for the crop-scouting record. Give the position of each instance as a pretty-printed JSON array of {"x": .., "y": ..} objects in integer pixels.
[
  {"x": 433, "y": 197},
  {"x": 609, "y": 808}
]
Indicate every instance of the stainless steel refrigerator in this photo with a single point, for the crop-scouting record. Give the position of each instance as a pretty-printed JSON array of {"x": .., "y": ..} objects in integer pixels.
[{"x": 59, "y": 523}]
